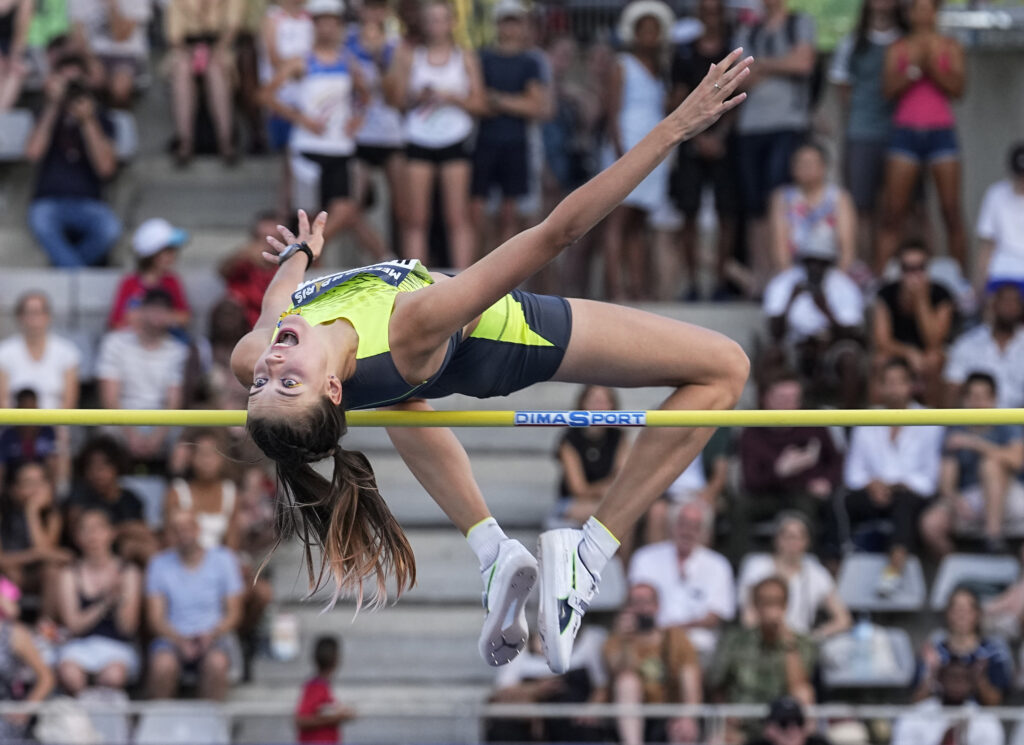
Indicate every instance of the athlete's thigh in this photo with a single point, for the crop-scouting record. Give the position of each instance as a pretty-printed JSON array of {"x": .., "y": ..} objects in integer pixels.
[{"x": 615, "y": 345}]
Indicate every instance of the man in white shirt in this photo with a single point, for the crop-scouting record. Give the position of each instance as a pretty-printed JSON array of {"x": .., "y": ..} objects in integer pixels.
[
  {"x": 1001, "y": 225},
  {"x": 815, "y": 315},
  {"x": 996, "y": 348},
  {"x": 143, "y": 368},
  {"x": 926, "y": 725},
  {"x": 892, "y": 472},
  {"x": 695, "y": 584}
]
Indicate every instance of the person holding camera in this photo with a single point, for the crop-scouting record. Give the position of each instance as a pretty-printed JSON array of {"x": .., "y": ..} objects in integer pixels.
[
  {"x": 73, "y": 145},
  {"x": 649, "y": 665}
]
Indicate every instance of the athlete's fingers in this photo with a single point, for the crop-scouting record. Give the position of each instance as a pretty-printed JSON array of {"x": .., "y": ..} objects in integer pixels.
[
  {"x": 736, "y": 76},
  {"x": 727, "y": 61},
  {"x": 278, "y": 246},
  {"x": 733, "y": 102},
  {"x": 286, "y": 234},
  {"x": 272, "y": 258},
  {"x": 303, "y": 223},
  {"x": 320, "y": 222}
]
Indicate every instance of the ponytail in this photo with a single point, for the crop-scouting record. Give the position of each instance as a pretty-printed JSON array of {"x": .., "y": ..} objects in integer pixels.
[{"x": 345, "y": 517}]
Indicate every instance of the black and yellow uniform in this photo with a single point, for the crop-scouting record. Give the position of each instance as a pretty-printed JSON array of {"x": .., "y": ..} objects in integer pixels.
[{"x": 519, "y": 341}]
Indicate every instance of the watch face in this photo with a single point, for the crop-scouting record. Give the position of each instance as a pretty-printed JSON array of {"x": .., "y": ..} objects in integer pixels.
[{"x": 288, "y": 252}]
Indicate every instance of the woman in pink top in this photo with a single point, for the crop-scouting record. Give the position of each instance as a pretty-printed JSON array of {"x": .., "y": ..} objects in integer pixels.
[{"x": 923, "y": 72}]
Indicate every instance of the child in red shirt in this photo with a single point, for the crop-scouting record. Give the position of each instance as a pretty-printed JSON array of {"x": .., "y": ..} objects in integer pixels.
[
  {"x": 318, "y": 716},
  {"x": 156, "y": 243}
]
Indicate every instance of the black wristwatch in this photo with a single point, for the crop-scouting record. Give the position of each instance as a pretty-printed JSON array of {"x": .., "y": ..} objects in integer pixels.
[{"x": 293, "y": 249}]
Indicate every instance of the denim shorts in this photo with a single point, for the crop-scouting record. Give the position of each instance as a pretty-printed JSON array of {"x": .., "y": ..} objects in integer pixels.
[{"x": 924, "y": 145}]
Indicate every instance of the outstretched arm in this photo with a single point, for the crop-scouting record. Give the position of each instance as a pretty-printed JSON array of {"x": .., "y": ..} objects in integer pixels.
[{"x": 456, "y": 303}]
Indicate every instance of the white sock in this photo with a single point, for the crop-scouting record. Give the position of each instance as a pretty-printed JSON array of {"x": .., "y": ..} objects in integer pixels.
[
  {"x": 598, "y": 545},
  {"x": 484, "y": 538}
]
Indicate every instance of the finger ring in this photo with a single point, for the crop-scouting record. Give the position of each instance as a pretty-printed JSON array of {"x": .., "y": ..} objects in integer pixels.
[{"x": 718, "y": 87}]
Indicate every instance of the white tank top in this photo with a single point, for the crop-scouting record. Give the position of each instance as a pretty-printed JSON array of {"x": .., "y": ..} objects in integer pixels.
[
  {"x": 293, "y": 38},
  {"x": 438, "y": 126},
  {"x": 213, "y": 526}
]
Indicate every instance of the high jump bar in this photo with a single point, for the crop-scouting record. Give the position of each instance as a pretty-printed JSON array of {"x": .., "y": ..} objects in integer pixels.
[{"x": 530, "y": 418}]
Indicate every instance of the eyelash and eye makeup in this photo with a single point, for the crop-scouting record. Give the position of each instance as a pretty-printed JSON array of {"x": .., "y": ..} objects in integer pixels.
[{"x": 286, "y": 382}]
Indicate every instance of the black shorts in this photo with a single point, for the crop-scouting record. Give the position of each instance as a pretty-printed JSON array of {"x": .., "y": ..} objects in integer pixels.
[
  {"x": 335, "y": 182},
  {"x": 438, "y": 155},
  {"x": 519, "y": 341},
  {"x": 503, "y": 165},
  {"x": 376, "y": 156},
  {"x": 692, "y": 173}
]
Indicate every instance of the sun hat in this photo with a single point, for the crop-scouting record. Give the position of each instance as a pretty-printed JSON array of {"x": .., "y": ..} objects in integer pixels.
[{"x": 633, "y": 12}]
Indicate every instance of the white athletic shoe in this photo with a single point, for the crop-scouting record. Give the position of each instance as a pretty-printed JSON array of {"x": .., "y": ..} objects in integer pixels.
[
  {"x": 566, "y": 589},
  {"x": 507, "y": 584}
]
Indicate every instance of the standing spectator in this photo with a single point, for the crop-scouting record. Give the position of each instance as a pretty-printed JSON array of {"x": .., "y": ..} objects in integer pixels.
[
  {"x": 785, "y": 725},
  {"x": 995, "y": 347},
  {"x": 760, "y": 664},
  {"x": 245, "y": 272},
  {"x": 205, "y": 489},
  {"x": 980, "y": 484},
  {"x": 68, "y": 215},
  {"x": 961, "y": 640},
  {"x": 18, "y": 651},
  {"x": 857, "y": 67},
  {"x": 32, "y": 444},
  {"x": 695, "y": 584},
  {"x": 440, "y": 88},
  {"x": 287, "y": 35},
  {"x": 811, "y": 588},
  {"x": 924, "y": 72},
  {"x": 100, "y": 464},
  {"x": 100, "y": 606},
  {"x": 810, "y": 204},
  {"x": 815, "y": 318},
  {"x": 15, "y": 18},
  {"x": 325, "y": 119},
  {"x": 38, "y": 359},
  {"x": 116, "y": 33},
  {"x": 516, "y": 95},
  {"x": 784, "y": 468},
  {"x": 143, "y": 368},
  {"x": 193, "y": 605},
  {"x": 649, "y": 665},
  {"x": 590, "y": 458},
  {"x": 912, "y": 318},
  {"x": 955, "y": 685},
  {"x": 201, "y": 36},
  {"x": 1001, "y": 226},
  {"x": 705, "y": 160},
  {"x": 893, "y": 472},
  {"x": 636, "y": 103},
  {"x": 156, "y": 244},
  {"x": 776, "y": 116},
  {"x": 318, "y": 714}
]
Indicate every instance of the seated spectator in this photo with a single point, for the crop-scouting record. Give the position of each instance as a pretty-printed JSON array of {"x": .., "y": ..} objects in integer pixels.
[
  {"x": 649, "y": 665},
  {"x": 18, "y": 652},
  {"x": 156, "y": 244},
  {"x": 812, "y": 591},
  {"x": 783, "y": 468},
  {"x": 913, "y": 318},
  {"x": 143, "y": 368},
  {"x": 956, "y": 684},
  {"x": 15, "y": 19},
  {"x": 995, "y": 347},
  {"x": 116, "y": 33},
  {"x": 38, "y": 359},
  {"x": 73, "y": 145},
  {"x": 961, "y": 641},
  {"x": 1001, "y": 226},
  {"x": 590, "y": 458},
  {"x": 809, "y": 204},
  {"x": 30, "y": 528},
  {"x": 785, "y": 725},
  {"x": 815, "y": 316},
  {"x": 100, "y": 464},
  {"x": 695, "y": 584},
  {"x": 205, "y": 488},
  {"x": 892, "y": 473},
  {"x": 100, "y": 606},
  {"x": 980, "y": 486},
  {"x": 33, "y": 444},
  {"x": 193, "y": 604},
  {"x": 318, "y": 715},
  {"x": 245, "y": 272},
  {"x": 760, "y": 664},
  {"x": 201, "y": 40}
]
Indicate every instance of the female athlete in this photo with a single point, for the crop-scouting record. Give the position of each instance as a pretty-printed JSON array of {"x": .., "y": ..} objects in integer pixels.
[{"x": 393, "y": 334}]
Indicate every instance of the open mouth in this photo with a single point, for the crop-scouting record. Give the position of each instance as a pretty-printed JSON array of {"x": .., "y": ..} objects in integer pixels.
[{"x": 286, "y": 338}]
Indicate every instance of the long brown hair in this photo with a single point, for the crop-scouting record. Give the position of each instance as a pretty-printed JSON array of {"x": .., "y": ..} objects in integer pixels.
[{"x": 346, "y": 517}]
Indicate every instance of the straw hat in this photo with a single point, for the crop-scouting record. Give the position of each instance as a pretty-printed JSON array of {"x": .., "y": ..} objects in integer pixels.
[{"x": 640, "y": 9}]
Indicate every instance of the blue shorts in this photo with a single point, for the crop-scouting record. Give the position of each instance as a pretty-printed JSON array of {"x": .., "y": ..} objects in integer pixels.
[
  {"x": 279, "y": 132},
  {"x": 924, "y": 145}
]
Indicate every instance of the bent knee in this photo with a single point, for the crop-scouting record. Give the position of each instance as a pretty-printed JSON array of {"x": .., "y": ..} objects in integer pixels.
[{"x": 733, "y": 373}]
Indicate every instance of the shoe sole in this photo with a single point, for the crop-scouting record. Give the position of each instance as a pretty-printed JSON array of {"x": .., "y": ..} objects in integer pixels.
[
  {"x": 547, "y": 611},
  {"x": 505, "y": 631}
]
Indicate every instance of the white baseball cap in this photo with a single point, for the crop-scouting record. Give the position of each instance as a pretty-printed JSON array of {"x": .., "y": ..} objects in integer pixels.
[
  {"x": 325, "y": 7},
  {"x": 509, "y": 9},
  {"x": 156, "y": 234}
]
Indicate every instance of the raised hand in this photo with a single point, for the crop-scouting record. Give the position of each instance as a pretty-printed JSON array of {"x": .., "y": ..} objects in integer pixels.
[
  {"x": 711, "y": 99},
  {"x": 311, "y": 235}
]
